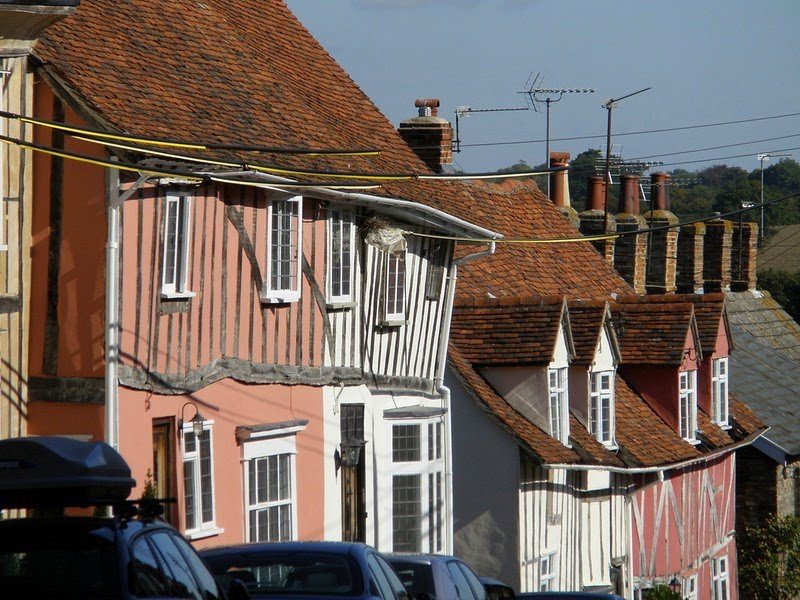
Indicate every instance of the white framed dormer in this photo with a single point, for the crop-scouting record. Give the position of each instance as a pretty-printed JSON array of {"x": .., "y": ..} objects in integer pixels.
[
  {"x": 394, "y": 297},
  {"x": 340, "y": 256},
  {"x": 558, "y": 405},
  {"x": 687, "y": 406},
  {"x": 601, "y": 413},
  {"x": 198, "y": 477},
  {"x": 284, "y": 250},
  {"x": 176, "y": 245},
  {"x": 269, "y": 459},
  {"x": 719, "y": 392}
]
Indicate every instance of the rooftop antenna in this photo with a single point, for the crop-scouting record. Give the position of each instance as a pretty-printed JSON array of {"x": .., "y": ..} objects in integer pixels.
[
  {"x": 537, "y": 94},
  {"x": 762, "y": 157},
  {"x": 462, "y": 112},
  {"x": 609, "y": 105}
]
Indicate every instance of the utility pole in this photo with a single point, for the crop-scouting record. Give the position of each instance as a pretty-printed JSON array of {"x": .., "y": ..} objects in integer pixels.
[
  {"x": 762, "y": 158},
  {"x": 538, "y": 94},
  {"x": 609, "y": 105}
]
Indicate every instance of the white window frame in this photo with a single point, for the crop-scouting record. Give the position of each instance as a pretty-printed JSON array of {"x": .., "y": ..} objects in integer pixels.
[
  {"x": 719, "y": 578},
  {"x": 178, "y": 288},
  {"x": 343, "y": 220},
  {"x": 277, "y": 295},
  {"x": 558, "y": 402},
  {"x": 719, "y": 392},
  {"x": 5, "y": 76},
  {"x": 687, "y": 405},
  {"x": 689, "y": 588},
  {"x": 262, "y": 445},
  {"x": 547, "y": 571},
  {"x": 596, "y": 396},
  {"x": 395, "y": 296},
  {"x": 202, "y": 528},
  {"x": 430, "y": 469}
]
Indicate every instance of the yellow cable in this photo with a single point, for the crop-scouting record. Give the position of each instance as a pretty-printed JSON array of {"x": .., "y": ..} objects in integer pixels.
[
  {"x": 591, "y": 238},
  {"x": 157, "y": 153},
  {"x": 289, "y": 185}
]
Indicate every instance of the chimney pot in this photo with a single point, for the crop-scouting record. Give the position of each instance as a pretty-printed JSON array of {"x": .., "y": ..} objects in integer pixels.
[
  {"x": 659, "y": 189},
  {"x": 559, "y": 192},
  {"x": 629, "y": 194},
  {"x": 597, "y": 192},
  {"x": 428, "y": 107}
]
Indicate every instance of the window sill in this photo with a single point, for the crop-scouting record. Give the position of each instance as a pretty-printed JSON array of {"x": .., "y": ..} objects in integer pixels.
[
  {"x": 279, "y": 299},
  {"x": 343, "y": 305},
  {"x": 724, "y": 426},
  {"x": 609, "y": 446},
  {"x": 693, "y": 442},
  {"x": 394, "y": 323},
  {"x": 199, "y": 534},
  {"x": 177, "y": 295}
]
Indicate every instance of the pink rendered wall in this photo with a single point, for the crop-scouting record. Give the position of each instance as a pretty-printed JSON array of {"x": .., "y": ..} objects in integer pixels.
[
  {"x": 684, "y": 518},
  {"x": 226, "y": 317},
  {"x": 704, "y": 373},
  {"x": 229, "y": 404}
]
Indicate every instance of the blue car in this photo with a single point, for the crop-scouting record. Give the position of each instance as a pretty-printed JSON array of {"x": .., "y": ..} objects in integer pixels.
[
  {"x": 437, "y": 577},
  {"x": 568, "y": 596},
  {"x": 305, "y": 570}
]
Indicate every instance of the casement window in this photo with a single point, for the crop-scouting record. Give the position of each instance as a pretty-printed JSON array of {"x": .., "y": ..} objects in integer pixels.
[
  {"x": 559, "y": 407},
  {"x": 417, "y": 486},
  {"x": 601, "y": 407},
  {"x": 719, "y": 578},
  {"x": 688, "y": 405},
  {"x": 270, "y": 485},
  {"x": 175, "y": 259},
  {"x": 547, "y": 572},
  {"x": 719, "y": 391},
  {"x": 689, "y": 588},
  {"x": 435, "y": 274},
  {"x": 284, "y": 250},
  {"x": 198, "y": 481},
  {"x": 395, "y": 285},
  {"x": 341, "y": 245}
]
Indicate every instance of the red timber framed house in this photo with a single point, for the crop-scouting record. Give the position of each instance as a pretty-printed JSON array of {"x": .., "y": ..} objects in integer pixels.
[
  {"x": 633, "y": 485},
  {"x": 277, "y": 359}
]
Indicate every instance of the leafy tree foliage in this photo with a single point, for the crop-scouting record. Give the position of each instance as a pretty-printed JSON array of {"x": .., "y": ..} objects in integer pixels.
[
  {"x": 784, "y": 288},
  {"x": 661, "y": 592},
  {"x": 769, "y": 564}
]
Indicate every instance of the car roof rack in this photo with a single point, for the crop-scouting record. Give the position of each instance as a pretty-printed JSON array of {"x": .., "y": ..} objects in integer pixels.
[{"x": 59, "y": 472}]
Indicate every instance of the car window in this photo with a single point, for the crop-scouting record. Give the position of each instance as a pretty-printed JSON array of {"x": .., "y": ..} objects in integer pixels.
[
  {"x": 145, "y": 578},
  {"x": 397, "y": 586},
  {"x": 473, "y": 580},
  {"x": 378, "y": 577},
  {"x": 416, "y": 577},
  {"x": 207, "y": 583},
  {"x": 463, "y": 587},
  {"x": 179, "y": 574}
]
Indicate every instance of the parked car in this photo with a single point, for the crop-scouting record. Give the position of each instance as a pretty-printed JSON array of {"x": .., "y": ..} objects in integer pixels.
[
  {"x": 437, "y": 577},
  {"x": 300, "y": 570},
  {"x": 497, "y": 590},
  {"x": 568, "y": 596},
  {"x": 130, "y": 555}
]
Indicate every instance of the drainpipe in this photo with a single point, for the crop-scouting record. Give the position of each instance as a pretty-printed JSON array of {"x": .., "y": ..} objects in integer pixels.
[
  {"x": 444, "y": 391},
  {"x": 113, "y": 211}
]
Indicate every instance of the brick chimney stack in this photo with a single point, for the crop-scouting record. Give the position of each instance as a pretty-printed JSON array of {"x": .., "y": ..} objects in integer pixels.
[
  {"x": 630, "y": 251},
  {"x": 559, "y": 186},
  {"x": 429, "y": 135},
  {"x": 717, "y": 256},
  {"x": 662, "y": 245},
  {"x": 689, "y": 276},
  {"x": 744, "y": 240},
  {"x": 592, "y": 220}
]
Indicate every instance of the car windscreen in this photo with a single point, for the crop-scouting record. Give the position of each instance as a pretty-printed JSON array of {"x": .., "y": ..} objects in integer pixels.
[
  {"x": 289, "y": 573},
  {"x": 416, "y": 577},
  {"x": 57, "y": 558}
]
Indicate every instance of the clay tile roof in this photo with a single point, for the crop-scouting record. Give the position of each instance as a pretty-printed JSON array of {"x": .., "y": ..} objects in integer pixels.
[
  {"x": 708, "y": 310},
  {"x": 504, "y": 332},
  {"x": 742, "y": 417},
  {"x": 651, "y": 333},
  {"x": 541, "y": 445},
  {"x": 588, "y": 447},
  {"x": 711, "y": 433},
  {"x": 586, "y": 322},
  {"x": 645, "y": 440}
]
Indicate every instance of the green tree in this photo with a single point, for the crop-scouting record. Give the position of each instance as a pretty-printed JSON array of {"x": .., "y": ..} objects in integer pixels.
[
  {"x": 784, "y": 288},
  {"x": 769, "y": 565}
]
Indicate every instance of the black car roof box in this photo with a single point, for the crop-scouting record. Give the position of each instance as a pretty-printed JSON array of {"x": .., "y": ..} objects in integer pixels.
[{"x": 49, "y": 472}]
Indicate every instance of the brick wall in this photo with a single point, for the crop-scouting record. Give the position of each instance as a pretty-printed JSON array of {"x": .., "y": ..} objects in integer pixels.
[
  {"x": 717, "y": 256},
  {"x": 743, "y": 256},
  {"x": 689, "y": 275},
  {"x": 661, "y": 253},
  {"x": 630, "y": 251},
  {"x": 756, "y": 494},
  {"x": 592, "y": 222}
]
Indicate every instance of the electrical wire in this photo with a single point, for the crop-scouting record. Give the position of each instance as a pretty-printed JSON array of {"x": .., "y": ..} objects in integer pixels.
[
  {"x": 98, "y": 133},
  {"x": 769, "y": 259}
]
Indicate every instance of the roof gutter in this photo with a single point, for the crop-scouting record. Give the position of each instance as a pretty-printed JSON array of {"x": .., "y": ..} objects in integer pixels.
[{"x": 662, "y": 468}]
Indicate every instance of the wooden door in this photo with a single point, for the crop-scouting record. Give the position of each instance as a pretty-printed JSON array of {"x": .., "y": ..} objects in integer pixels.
[
  {"x": 164, "y": 466},
  {"x": 354, "y": 492}
]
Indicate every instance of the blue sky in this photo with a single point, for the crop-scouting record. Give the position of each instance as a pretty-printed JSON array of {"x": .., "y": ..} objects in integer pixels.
[{"x": 707, "y": 61}]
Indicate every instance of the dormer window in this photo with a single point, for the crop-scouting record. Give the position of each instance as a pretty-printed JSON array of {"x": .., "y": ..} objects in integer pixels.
[
  {"x": 688, "y": 405},
  {"x": 719, "y": 391},
  {"x": 559, "y": 409},
  {"x": 284, "y": 243},
  {"x": 601, "y": 407}
]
